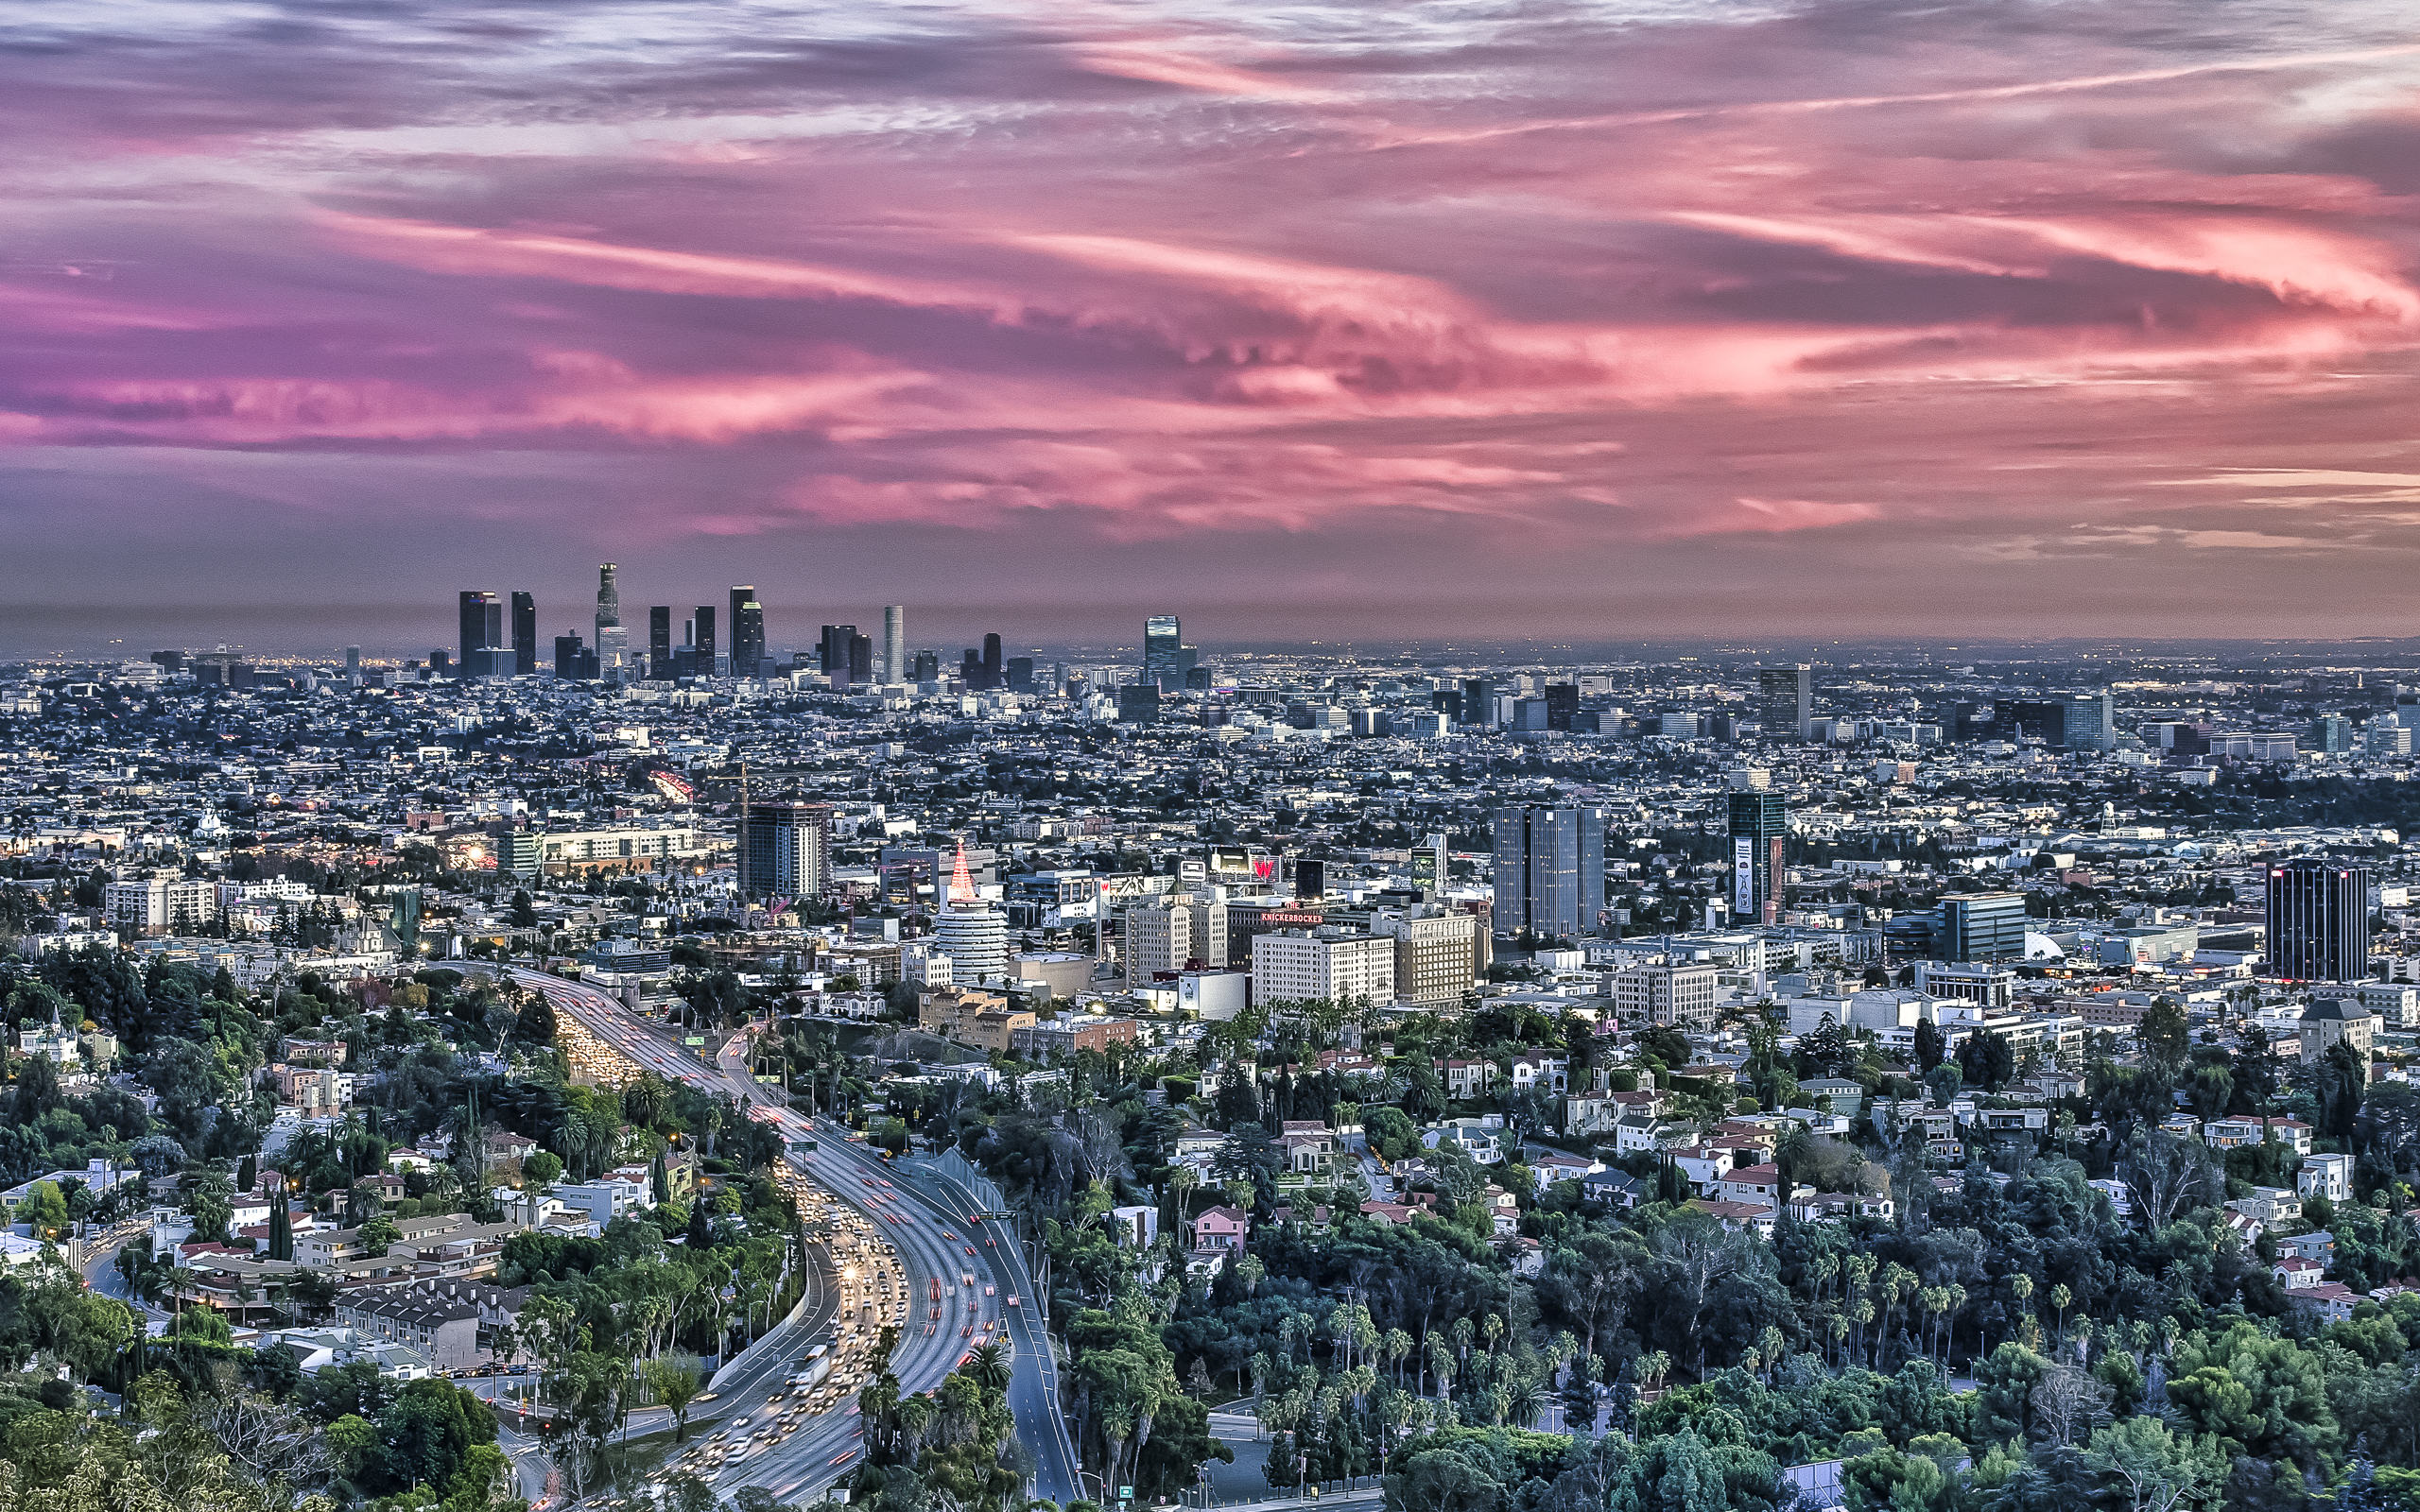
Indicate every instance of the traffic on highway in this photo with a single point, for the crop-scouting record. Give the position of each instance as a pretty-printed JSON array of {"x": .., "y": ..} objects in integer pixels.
[{"x": 783, "y": 1414}]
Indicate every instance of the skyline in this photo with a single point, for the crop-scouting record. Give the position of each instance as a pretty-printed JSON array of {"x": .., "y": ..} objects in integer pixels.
[{"x": 1607, "y": 322}]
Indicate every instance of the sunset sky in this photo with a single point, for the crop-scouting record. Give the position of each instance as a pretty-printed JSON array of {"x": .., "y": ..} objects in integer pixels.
[{"x": 1611, "y": 320}]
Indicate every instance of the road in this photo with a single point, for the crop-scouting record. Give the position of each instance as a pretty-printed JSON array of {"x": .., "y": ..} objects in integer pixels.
[{"x": 930, "y": 1223}]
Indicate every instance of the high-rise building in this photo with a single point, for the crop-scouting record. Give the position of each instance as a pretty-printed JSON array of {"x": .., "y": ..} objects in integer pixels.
[
  {"x": 659, "y": 642},
  {"x": 1021, "y": 674},
  {"x": 747, "y": 631},
  {"x": 1478, "y": 701},
  {"x": 1760, "y": 828},
  {"x": 524, "y": 635},
  {"x": 832, "y": 648},
  {"x": 1549, "y": 870},
  {"x": 927, "y": 667},
  {"x": 788, "y": 850},
  {"x": 860, "y": 658},
  {"x": 2319, "y": 920},
  {"x": 2089, "y": 723},
  {"x": 1563, "y": 704},
  {"x": 353, "y": 659},
  {"x": 482, "y": 627},
  {"x": 1979, "y": 926},
  {"x": 567, "y": 654},
  {"x": 705, "y": 639},
  {"x": 2330, "y": 736},
  {"x": 1438, "y": 956},
  {"x": 1785, "y": 701},
  {"x": 608, "y": 600},
  {"x": 994, "y": 668},
  {"x": 1168, "y": 936},
  {"x": 895, "y": 643},
  {"x": 1163, "y": 641}
]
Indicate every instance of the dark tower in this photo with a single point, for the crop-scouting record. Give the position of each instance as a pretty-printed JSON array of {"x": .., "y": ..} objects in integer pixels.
[
  {"x": 2319, "y": 920},
  {"x": 525, "y": 636},
  {"x": 705, "y": 639},
  {"x": 994, "y": 668},
  {"x": 747, "y": 631},
  {"x": 659, "y": 641},
  {"x": 482, "y": 627}
]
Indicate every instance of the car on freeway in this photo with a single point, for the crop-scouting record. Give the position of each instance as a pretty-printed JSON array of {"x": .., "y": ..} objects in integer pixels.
[
  {"x": 1013, "y": 1299},
  {"x": 970, "y": 1249},
  {"x": 991, "y": 1291},
  {"x": 844, "y": 1456},
  {"x": 992, "y": 1242}
]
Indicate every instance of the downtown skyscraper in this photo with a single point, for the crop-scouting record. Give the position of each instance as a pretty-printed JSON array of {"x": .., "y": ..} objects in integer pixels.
[{"x": 747, "y": 631}]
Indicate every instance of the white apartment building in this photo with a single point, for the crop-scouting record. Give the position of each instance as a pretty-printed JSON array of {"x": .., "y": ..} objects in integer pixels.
[
  {"x": 161, "y": 906},
  {"x": 561, "y": 850},
  {"x": 1294, "y": 964},
  {"x": 1679, "y": 997}
]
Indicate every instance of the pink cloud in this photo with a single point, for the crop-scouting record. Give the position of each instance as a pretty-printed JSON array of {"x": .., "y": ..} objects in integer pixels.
[
  {"x": 1325, "y": 278},
  {"x": 1775, "y": 517}
]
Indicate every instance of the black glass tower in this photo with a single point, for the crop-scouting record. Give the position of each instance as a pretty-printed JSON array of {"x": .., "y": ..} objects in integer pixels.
[
  {"x": 659, "y": 641},
  {"x": 524, "y": 635},
  {"x": 2319, "y": 920},
  {"x": 482, "y": 627}
]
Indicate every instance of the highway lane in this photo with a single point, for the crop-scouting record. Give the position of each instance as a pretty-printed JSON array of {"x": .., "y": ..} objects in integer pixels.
[
  {"x": 801, "y": 1462},
  {"x": 1033, "y": 1391},
  {"x": 1033, "y": 1387}
]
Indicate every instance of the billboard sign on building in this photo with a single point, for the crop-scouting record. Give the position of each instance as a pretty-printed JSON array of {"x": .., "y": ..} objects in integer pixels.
[{"x": 1743, "y": 877}]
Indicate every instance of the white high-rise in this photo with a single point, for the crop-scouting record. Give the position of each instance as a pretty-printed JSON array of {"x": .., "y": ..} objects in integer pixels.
[{"x": 894, "y": 644}]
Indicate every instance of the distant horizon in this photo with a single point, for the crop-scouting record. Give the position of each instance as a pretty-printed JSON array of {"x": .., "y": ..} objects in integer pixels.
[{"x": 408, "y": 632}]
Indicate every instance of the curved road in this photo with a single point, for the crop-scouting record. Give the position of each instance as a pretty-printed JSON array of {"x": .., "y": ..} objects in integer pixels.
[{"x": 910, "y": 1205}]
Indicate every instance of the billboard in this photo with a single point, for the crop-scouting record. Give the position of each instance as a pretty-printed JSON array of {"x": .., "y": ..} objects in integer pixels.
[{"x": 1743, "y": 877}]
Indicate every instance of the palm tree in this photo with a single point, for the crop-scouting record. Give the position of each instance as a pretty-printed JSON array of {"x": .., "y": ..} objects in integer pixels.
[
  {"x": 1527, "y": 1403},
  {"x": 990, "y": 1367}
]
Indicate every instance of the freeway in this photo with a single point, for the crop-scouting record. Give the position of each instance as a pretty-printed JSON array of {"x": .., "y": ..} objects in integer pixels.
[{"x": 913, "y": 1210}]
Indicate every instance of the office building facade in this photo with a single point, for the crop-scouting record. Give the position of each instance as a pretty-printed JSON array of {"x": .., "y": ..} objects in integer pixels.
[
  {"x": 609, "y": 601},
  {"x": 2319, "y": 920},
  {"x": 1439, "y": 956},
  {"x": 1785, "y": 701},
  {"x": 482, "y": 636},
  {"x": 524, "y": 635},
  {"x": 659, "y": 642},
  {"x": 1165, "y": 938},
  {"x": 788, "y": 852},
  {"x": 2089, "y": 723},
  {"x": 1980, "y": 926},
  {"x": 747, "y": 632},
  {"x": 1549, "y": 870},
  {"x": 895, "y": 643}
]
